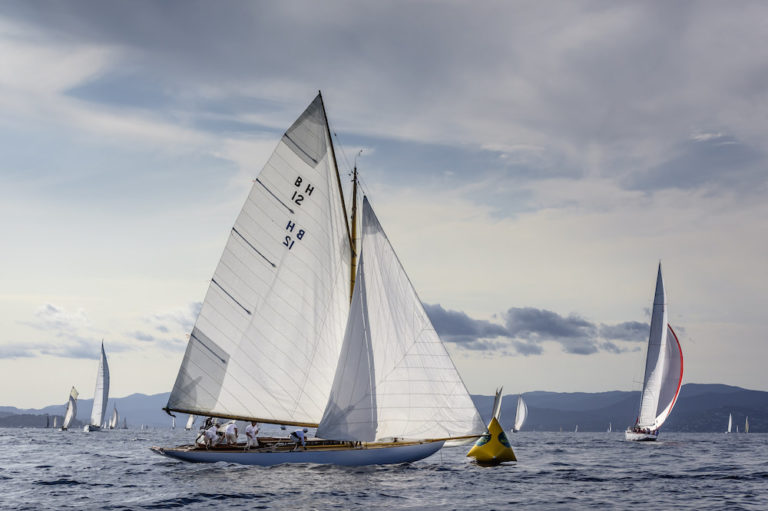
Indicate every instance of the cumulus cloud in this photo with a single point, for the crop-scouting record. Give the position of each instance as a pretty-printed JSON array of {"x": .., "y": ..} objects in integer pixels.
[{"x": 525, "y": 329}]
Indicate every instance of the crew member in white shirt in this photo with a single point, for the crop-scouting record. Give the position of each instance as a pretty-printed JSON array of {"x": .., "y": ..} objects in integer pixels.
[
  {"x": 211, "y": 436},
  {"x": 230, "y": 433},
  {"x": 300, "y": 436},
  {"x": 251, "y": 431}
]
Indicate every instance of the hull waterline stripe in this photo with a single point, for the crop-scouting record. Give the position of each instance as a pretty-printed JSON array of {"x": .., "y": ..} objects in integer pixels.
[
  {"x": 254, "y": 248},
  {"x": 232, "y": 297}
]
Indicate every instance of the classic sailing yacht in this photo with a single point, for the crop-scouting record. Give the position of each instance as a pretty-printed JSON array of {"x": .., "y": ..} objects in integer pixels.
[
  {"x": 663, "y": 372},
  {"x": 277, "y": 341},
  {"x": 520, "y": 415},
  {"x": 71, "y": 412},
  {"x": 100, "y": 395}
]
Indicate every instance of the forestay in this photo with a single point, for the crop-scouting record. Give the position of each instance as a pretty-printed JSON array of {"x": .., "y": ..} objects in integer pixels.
[
  {"x": 395, "y": 377},
  {"x": 101, "y": 394},
  {"x": 663, "y": 366},
  {"x": 268, "y": 336}
]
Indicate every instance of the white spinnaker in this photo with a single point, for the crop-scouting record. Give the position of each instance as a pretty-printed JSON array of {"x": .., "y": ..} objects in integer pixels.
[
  {"x": 394, "y": 377},
  {"x": 71, "y": 413},
  {"x": 101, "y": 393},
  {"x": 267, "y": 339},
  {"x": 655, "y": 357},
  {"x": 521, "y": 414}
]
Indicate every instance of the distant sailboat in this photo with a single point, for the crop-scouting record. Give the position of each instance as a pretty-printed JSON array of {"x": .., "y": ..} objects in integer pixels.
[
  {"x": 190, "y": 422},
  {"x": 173, "y": 422},
  {"x": 663, "y": 372},
  {"x": 55, "y": 421},
  {"x": 114, "y": 419},
  {"x": 730, "y": 423},
  {"x": 71, "y": 413},
  {"x": 100, "y": 395},
  {"x": 610, "y": 428},
  {"x": 520, "y": 415},
  {"x": 125, "y": 423},
  {"x": 278, "y": 341},
  {"x": 746, "y": 425},
  {"x": 577, "y": 429}
]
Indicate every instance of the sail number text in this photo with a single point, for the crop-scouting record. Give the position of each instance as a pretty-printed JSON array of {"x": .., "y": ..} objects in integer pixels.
[
  {"x": 297, "y": 196},
  {"x": 298, "y": 234}
]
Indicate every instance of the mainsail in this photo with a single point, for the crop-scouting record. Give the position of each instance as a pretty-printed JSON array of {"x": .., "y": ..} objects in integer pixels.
[
  {"x": 521, "y": 414},
  {"x": 267, "y": 339},
  {"x": 395, "y": 378},
  {"x": 190, "y": 422},
  {"x": 101, "y": 394},
  {"x": 663, "y": 365},
  {"x": 71, "y": 413},
  {"x": 730, "y": 422}
]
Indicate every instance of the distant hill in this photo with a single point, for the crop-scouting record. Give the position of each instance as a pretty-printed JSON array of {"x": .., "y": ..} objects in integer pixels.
[{"x": 700, "y": 408}]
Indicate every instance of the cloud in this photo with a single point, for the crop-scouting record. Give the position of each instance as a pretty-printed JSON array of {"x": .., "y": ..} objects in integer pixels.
[
  {"x": 527, "y": 328},
  {"x": 180, "y": 319}
]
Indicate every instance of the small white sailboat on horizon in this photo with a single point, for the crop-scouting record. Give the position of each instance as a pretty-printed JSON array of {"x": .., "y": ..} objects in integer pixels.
[
  {"x": 190, "y": 422},
  {"x": 746, "y": 425},
  {"x": 520, "y": 415},
  {"x": 354, "y": 353},
  {"x": 113, "y": 421},
  {"x": 71, "y": 413},
  {"x": 610, "y": 427},
  {"x": 730, "y": 423},
  {"x": 100, "y": 395},
  {"x": 663, "y": 372}
]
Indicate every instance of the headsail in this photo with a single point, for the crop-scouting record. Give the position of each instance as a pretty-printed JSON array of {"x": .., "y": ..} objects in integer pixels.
[
  {"x": 101, "y": 393},
  {"x": 395, "y": 377},
  {"x": 267, "y": 339},
  {"x": 521, "y": 414},
  {"x": 71, "y": 413},
  {"x": 663, "y": 365}
]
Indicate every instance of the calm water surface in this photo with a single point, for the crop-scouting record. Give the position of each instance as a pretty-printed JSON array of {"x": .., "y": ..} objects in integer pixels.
[{"x": 42, "y": 469}]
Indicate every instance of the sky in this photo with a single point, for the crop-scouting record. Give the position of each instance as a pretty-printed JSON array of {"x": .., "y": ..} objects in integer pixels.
[{"x": 531, "y": 163}]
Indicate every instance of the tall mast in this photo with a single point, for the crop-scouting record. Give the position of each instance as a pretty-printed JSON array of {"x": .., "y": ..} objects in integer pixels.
[
  {"x": 336, "y": 168},
  {"x": 353, "y": 266}
]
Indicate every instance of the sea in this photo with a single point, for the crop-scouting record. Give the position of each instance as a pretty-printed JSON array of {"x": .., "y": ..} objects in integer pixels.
[{"x": 49, "y": 469}]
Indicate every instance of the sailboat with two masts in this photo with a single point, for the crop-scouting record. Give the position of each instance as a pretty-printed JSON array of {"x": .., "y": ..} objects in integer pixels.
[
  {"x": 663, "y": 372},
  {"x": 277, "y": 340},
  {"x": 71, "y": 412},
  {"x": 100, "y": 395}
]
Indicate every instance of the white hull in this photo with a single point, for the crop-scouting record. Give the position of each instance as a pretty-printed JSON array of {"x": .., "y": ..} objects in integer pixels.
[
  {"x": 347, "y": 456},
  {"x": 639, "y": 437}
]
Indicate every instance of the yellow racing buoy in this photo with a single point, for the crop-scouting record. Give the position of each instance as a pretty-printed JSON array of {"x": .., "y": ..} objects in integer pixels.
[{"x": 493, "y": 447}]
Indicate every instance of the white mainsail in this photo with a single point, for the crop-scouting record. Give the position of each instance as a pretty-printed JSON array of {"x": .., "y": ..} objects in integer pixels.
[
  {"x": 71, "y": 413},
  {"x": 190, "y": 422},
  {"x": 395, "y": 378},
  {"x": 267, "y": 340},
  {"x": 101, "y": 393},
  {"x": 55, "y": 421},
  {"x": 663, "y": 365},
  {"x": 521, "y": 414},
  {"x": 730, "y": 422},
  {"x": 746, "y": 425},
  {"x": 114, "y": 419}
]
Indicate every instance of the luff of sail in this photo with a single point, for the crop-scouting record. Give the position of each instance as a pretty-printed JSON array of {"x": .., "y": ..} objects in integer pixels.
[
  {"x": 521, "y": 414},
  {"x": 395, "y": 378},
  {"x": 71, "y": 412},
  {"x": 101, "y": 393},
  {"x": 267, "y": 339},
  {"x": 663, "y": 366}
]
